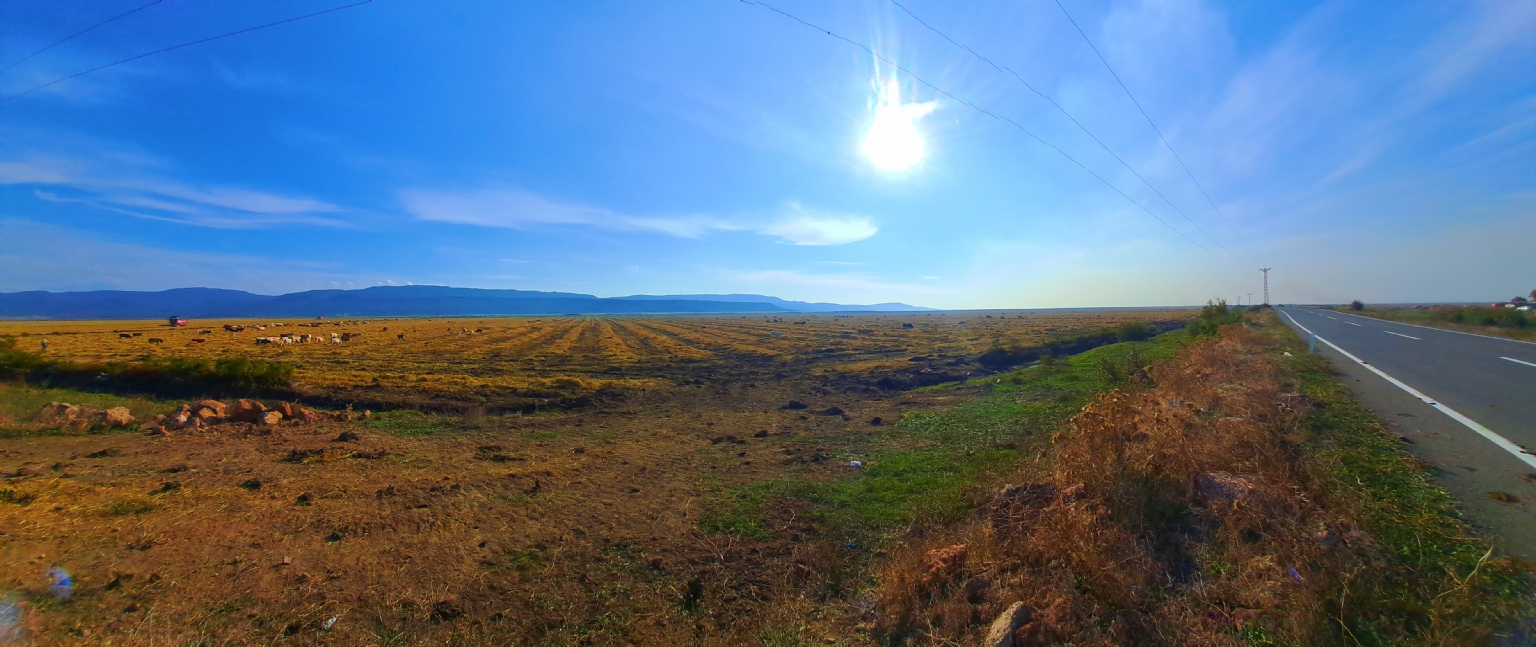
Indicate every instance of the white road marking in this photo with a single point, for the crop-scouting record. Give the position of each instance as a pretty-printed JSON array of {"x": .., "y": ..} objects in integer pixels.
[
  {"x": 1330, "y": 317},
  {"x": 1518, "y": 361},
  {"x": 1353, "y": 323},
  {"x": 1402, "y": 335},
  {"x": 1503, "y": 443}
]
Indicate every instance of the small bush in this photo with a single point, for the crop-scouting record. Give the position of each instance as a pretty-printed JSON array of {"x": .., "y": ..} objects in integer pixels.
[
  {"x": 1356, "y": 305},
  {"x": 1133, "y": 331},
  {"x": 1476, "y": 316},
  {"x": 1213, "y": 316}
]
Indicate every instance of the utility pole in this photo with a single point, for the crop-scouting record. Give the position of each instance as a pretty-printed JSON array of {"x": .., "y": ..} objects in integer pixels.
[
  {"x": 1265, "y": 270},
  {"x": 1250, "y": 298}
]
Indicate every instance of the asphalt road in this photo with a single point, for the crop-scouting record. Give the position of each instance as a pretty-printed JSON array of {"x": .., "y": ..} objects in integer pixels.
[{"x": 1471, "y": 410}]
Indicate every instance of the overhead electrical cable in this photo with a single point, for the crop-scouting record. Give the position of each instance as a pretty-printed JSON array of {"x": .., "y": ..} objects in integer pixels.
[
  {"x": 72, "y": 36},
  {"x": 1148, "y": 118},
  {"x": 1063, "y": 111},
  {"x": 983, "y": 111},
  {"x": 176, "y": 47}
]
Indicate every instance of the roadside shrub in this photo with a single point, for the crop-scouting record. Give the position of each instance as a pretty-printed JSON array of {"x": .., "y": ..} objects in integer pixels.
[
  {"x": 1481, "y": 316},
  {"x": 1356, "y": 305},
  {"x": 1133, "y": 331},
  {"x": 1213, "y": 316}
]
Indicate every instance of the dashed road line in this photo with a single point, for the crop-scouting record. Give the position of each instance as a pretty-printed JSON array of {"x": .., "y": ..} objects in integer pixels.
[
  {"x": 1402, "y": 335},
  {"x": 1353, "y": 324},
  {"x": 1517, "y": 451},
  {"x": 1517, "y": 361}
]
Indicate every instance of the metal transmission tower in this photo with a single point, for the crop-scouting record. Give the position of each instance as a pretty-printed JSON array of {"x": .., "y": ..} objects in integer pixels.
[{"x": 1265, "y": 270}]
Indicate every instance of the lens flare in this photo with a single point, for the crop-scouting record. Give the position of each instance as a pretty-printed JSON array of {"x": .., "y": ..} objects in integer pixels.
[{"x": 893, "y": 142}]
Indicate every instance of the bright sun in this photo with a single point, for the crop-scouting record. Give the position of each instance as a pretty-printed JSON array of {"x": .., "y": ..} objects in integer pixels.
[{"x": 893, "y": 143}]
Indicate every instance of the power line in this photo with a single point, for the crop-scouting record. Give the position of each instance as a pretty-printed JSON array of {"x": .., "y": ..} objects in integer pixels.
[
  {"x": 983, "y": 111},
  {"x": 1148, "y": 118},
  {"x": 176, "y": 47},
  {"x": 72, "y": 36},
  {"x": 1069, "y": 116}
]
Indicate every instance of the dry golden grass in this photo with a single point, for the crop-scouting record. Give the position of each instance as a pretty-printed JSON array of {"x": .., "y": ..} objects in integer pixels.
[
  {"x": 1199, "y": 511},
  {"x": 580, "y": 524}
]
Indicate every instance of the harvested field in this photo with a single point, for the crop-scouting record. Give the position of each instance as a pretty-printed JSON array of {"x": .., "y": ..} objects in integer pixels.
[
  {"x": 697, "y": 479},
  {"x": 528, "y": 364},
  {"x": 600, "y": 514}
]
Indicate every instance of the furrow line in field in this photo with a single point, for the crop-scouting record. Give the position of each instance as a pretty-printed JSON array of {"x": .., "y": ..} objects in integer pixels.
[{"x": 658, "y": 345}]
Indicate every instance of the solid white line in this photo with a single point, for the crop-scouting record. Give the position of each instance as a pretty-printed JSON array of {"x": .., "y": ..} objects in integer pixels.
[
  {"x": 1459, "y": 332},
  {"x": 1503, "y": 443},
  {"x": 1518, "y": 361},
  {"x": 1401, "y": 335}
]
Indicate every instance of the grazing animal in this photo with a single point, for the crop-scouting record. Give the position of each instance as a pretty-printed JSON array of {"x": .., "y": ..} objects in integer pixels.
[
  {"x": 123, "y": 335},
  {"x": 156, "y": 340},
  {"x": 400, "y": 336}
]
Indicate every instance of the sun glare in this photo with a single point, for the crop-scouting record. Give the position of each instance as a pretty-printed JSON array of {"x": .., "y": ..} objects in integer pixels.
[{"x": 893, "y": 142}]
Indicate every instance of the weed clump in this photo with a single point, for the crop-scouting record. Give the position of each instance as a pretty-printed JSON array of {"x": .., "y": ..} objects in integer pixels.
[
  {"x": 1213, "y": 316},
  {"x": 1215, "y": 508}
]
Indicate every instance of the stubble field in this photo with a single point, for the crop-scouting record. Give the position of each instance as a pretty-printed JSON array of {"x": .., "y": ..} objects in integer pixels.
[{"x": 573, "y": 480}]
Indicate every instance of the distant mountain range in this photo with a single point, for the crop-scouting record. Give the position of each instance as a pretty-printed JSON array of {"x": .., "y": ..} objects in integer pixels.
[{"x": 388, "y": 301}]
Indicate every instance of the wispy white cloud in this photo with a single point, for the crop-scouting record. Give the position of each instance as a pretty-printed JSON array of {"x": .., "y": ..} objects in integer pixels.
[
  {"x": 516, "y": 208},
  {"x": 133, "y": 186},
  {"x": 803, "y": 226}
]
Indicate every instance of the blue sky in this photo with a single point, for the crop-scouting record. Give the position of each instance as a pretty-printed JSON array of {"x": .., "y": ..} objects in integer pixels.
[{"x": 1383, "y": 151}]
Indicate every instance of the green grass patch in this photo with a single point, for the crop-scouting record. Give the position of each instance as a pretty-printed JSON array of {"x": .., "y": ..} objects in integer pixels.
[
  {"x": 408, "y": 422},
  {"x": 20, "y": 403},
  {"x": 1425, "y": 591},
  {"x": 170, "y": 376},
  {"x": 928, "y": 467}
]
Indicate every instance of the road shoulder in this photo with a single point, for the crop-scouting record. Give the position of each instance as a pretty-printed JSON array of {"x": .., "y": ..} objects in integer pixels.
[{"x": 1470, "y": 468}]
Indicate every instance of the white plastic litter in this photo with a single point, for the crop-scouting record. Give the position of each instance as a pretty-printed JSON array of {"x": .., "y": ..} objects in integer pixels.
[{"x": 855, "y": 463}]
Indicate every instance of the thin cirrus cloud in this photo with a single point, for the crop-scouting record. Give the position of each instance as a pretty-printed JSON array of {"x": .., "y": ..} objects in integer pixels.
[
  {"x": 514, "y": 208},
  {"x": 146, "y": 196}
]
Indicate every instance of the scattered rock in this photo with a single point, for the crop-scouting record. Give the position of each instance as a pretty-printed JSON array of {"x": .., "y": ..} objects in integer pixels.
[
  {"x": 1001, "y": 634},
  {"x": 334, "y": 537},
  {"x": 219, "y": 409},
  {"x": 103, "y": 453},
  {"x": 1503, "y": 497},
  {"x": 761, "y": 434},
  {"x": 284, "y": 408},
  {"x": 796, "y": 405},
  {"x": 248, "y": 410},
  {"x": 306, "y": 416},
  {"x": 116, "y": 417},
  {"x": 269, "y": 418},
  {"x": 830, "y": 411},
  {"x": 347, "y": 437},
  {"x": 303, "y": 499},
  {"x": 876, "y": 421},
  {"x": 251, "y": 484},
  {"x": 58, "y": 411}
]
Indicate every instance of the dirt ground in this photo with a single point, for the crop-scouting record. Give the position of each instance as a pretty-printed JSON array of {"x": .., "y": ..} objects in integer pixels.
[{"x": 559, "y": 503}]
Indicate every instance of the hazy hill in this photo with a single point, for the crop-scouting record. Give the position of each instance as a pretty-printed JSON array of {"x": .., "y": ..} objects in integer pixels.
[{"x": 383, "y": 301}]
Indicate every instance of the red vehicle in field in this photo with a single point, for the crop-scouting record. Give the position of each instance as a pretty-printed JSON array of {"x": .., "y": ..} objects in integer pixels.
[{"x": 176, "y": 321}]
